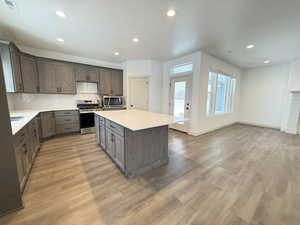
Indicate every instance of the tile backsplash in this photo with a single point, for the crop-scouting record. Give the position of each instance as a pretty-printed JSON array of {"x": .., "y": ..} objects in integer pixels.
[{"x": 20, "y": 101}]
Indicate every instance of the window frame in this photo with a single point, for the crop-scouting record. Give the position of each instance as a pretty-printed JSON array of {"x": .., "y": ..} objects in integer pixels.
[
  {"x": 230, "y": 87},
  {"x": 183, "y": 72}
]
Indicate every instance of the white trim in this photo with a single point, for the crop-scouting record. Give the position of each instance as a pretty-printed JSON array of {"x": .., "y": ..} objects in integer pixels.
[
  {"x": 259, "y": 125},
  {"x": 239, "y": 122}
]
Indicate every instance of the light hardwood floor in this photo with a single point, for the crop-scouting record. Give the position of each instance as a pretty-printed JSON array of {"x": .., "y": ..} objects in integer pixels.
[{"x": 239, "y": 175}]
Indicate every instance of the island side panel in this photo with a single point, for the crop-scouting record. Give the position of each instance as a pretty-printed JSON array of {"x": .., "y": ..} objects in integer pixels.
[{"x": 145, "y": 149}]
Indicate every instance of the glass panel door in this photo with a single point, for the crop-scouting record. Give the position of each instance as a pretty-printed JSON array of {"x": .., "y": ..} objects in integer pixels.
[
  {"x": 179, "y": 100},
  {"x": 180, "y": 103}
]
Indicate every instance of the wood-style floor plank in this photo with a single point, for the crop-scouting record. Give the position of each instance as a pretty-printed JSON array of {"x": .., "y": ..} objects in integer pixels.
[{"x": 239, "y": 175}]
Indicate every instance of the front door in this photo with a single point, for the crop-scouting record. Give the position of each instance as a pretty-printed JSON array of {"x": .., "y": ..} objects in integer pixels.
[{"x": 180, "y": 102}]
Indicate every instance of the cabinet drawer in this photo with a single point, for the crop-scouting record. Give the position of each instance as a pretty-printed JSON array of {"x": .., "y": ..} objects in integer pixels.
[
  {"x": 67, "y": 128},
  {"x": 66, "y": 119},
  {"x": 66, "y": 113},
  {"x": 20, "y": 137},
  {"x": 115, "y": 127}
]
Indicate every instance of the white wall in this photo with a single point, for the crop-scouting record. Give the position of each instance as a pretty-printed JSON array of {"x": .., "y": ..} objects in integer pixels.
[
  {"x": 146, "y": 68},
  {"x": 209, "y": 123},
  {"x": 203, "y": 64},
  {"x": 263, "y": 93},
  {"x": 291, "y": 116},
  {"x": 294, "y": 78}
]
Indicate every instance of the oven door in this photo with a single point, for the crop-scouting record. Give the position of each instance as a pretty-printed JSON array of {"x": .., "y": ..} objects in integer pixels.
[{"x": 87, "y": 120}]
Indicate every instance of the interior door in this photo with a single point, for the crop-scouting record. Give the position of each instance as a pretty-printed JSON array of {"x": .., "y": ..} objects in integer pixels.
[
  {"x": 139, "y": 93},
  {"x": 180, "y": 102}
]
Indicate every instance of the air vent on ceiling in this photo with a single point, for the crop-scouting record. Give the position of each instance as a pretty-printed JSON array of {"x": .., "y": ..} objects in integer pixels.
[{"x": 10, "y": 4}]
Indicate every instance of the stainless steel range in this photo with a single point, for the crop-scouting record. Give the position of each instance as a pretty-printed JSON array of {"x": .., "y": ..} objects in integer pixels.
[{"x": 87, "y": 117}]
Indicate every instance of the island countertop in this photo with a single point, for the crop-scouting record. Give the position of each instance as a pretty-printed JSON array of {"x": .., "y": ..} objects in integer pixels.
[{"x": 137, "y": 119}]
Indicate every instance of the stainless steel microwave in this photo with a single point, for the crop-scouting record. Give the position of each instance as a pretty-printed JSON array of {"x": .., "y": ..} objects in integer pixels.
[{"x": 113, "y": 101}]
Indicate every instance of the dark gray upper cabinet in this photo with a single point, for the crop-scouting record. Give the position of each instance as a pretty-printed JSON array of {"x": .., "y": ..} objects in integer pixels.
[
  {"x": 86, "y": 73},
  {"x": 56, "y": 77},
  {"x": 65, "y": 78},
  {"x": 111, "y": 82},
  {"x": 46, "y": 71},
  {"x": 105, "y": 87},
  {"x": 10, "y": 56},
  {"x": 29, "y": 73},
  {"x": 117, "y": 82}
]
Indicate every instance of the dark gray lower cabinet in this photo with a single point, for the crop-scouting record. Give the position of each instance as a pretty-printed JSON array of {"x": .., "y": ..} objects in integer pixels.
[
  {"x": 100, "y": 131},
  {"x": 48, "y": 124},
  {"x": 26, "y": 144},
  {"x": 102, "y": 136},
  {"x": 135, "y": 152},
  {"x": 97, "y": 128},
  {"x": 110, "y": 147},
  {"x": 66, "y": 121},
  {"x": 119, "y": 151},
  {"x": 115, "y": 147}
]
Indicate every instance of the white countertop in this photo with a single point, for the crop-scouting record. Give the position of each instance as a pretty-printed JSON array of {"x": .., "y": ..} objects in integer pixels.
[
  {"x": 137, "y": 119},
  {"x": 28, "y": 115}
]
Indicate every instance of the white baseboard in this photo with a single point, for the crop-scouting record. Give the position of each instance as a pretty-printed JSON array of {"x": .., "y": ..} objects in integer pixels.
[
  {"x": 259, "y": 125},
  {"x": 289, "y": 131}
]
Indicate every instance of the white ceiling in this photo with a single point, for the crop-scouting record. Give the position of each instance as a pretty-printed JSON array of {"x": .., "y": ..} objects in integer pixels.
[{"x": 98, "y": 28}]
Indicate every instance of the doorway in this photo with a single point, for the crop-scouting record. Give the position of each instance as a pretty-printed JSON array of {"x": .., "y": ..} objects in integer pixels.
[
  {"x": 139, "y": 93},
  {"x": 180, "y": 101}
]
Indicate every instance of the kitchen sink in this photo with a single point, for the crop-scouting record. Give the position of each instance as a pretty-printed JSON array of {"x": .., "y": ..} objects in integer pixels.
[{"x": 16, "y": 118}]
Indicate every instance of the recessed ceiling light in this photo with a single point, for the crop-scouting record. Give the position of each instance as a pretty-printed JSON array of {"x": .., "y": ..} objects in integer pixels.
[
  {"x": 267, "y": 61},
  {"x": 171, "y": 13},
  {"x": 117, "y": 53},
  {"x": 250, "y": 46},
  {"x": 61, "y": 14},
  {"x": 60, "y": 39},
  {"x": 135, "y": 40},
  {"x": 10, "y": 4}
]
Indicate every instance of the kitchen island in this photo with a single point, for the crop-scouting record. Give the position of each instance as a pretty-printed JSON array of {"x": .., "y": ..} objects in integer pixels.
[{"x": 135, "y": 140}]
